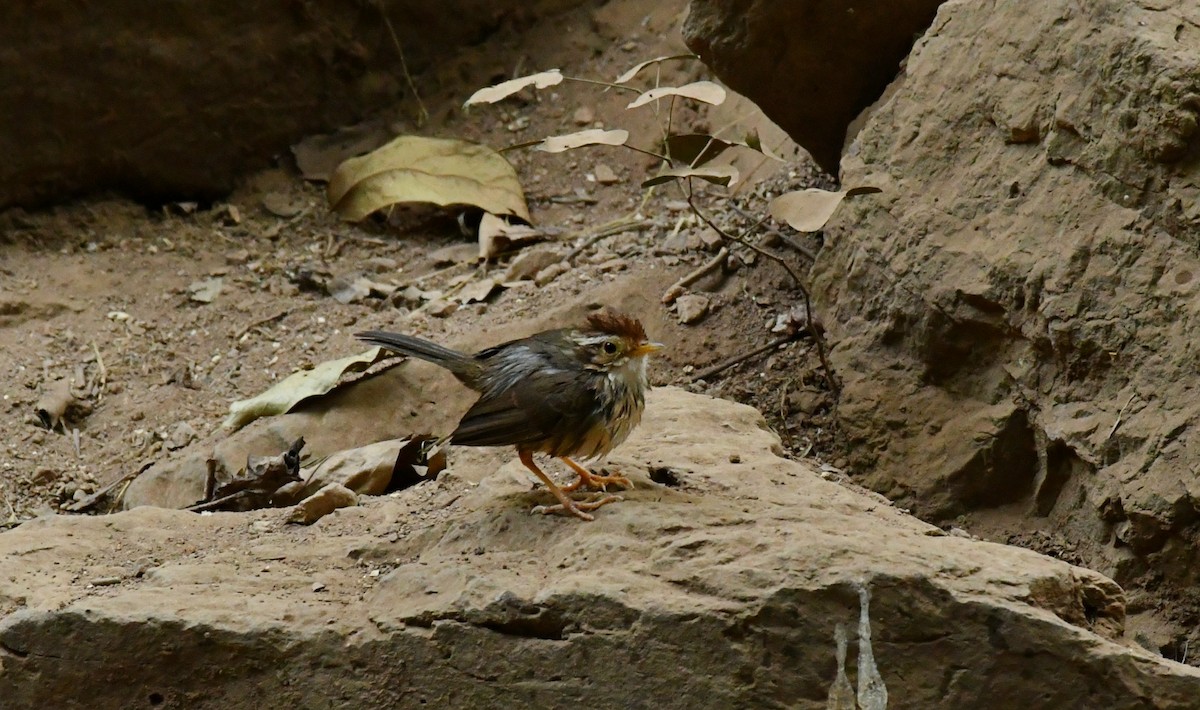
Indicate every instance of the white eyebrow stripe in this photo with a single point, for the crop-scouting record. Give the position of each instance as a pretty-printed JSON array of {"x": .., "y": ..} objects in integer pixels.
[{"x": 595, "y": 339}]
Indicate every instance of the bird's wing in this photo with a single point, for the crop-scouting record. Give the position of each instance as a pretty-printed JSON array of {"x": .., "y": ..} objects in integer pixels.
[{"x": 543, "y": 405}]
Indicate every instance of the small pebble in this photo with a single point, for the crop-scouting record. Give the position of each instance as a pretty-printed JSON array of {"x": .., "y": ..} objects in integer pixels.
[
  {"x": 583, "y": 116},
  {"x": 605, "y": 175},
  {"x": 691, "y": 308}
]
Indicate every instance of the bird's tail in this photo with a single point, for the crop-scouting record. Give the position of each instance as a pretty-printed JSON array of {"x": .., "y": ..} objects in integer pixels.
[{"x": 462, "y": 365}]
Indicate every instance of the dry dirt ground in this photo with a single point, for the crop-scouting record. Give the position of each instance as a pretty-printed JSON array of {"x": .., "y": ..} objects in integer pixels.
[{"x": 103, "y": 292}]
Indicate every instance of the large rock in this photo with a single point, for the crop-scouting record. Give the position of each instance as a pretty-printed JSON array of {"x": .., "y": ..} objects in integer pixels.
[
  {"x": 163, "y": 100},
  {"x": 812, "y": 65},
  {"x": 721, "y": 590},
  {"x": 1016, "y": 316}
]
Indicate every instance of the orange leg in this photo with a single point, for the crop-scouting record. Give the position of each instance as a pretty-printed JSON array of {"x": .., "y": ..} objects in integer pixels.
[
  {"x": 566, "y": 505},
  {"x": 591, "y": 480}
]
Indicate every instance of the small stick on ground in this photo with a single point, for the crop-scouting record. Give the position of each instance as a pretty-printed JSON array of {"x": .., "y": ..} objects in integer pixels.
[
  {"x": 93, "y": 499},
  {"x": 739, "y": 359},
  {"x": 677, "y": 289},
  {"x": 609, "y": 231},
  {"x": 272, "y": 318}
]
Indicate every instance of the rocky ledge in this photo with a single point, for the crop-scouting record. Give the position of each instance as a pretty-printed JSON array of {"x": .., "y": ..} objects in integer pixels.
[{"x": 719, "y": 582}]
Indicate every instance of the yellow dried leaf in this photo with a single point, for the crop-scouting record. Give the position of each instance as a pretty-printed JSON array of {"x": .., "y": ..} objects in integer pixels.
[
  {"x": 705, "y": 91},
  {"x": 497, "y": 236},
  {"x": 592, "y": 136},
  {"x": 297, "y": 387},
  {"x": 504, "y": 89},
  {"x": 440, "y": 171},
  {"x": 809, "y": 210}
]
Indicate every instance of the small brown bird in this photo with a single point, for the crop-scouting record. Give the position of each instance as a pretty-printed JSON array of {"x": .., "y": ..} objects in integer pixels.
[{"x": 570, "y": 392}]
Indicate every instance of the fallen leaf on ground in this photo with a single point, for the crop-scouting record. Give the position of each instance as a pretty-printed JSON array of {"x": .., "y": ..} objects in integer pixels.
[
  {"x": 592, "y": 136},
  {"x": 809, "y": 210},
  {"x": 253, "y": 487},
  {"x": 504, "y": 89},
  {"x": 477, "y": 292},
  {"x": 297, "y": 387},
  {"x": 717, "y": 174},
  {"x": 318, "y": 156},
  {"x": 705, "y": 91},
  {"x": 366, "y": 470},
  {"x": 205, "y": 291},
  {"x": 497, "y": 236},
  {"x": 431, "y": 170}
]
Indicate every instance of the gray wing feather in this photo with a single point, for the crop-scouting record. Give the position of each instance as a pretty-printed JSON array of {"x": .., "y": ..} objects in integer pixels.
[{"x": 542, "y": 405}]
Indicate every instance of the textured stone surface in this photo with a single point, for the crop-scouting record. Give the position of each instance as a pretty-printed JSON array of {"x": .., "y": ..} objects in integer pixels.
[
  {"x": 812, "y": 65},
  {"x": 721, "y": 591},
  {"x": 1015, "y": 317}
]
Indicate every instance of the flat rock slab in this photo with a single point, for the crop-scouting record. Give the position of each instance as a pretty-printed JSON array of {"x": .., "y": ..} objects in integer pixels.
[{"x": 721, "y": 591}]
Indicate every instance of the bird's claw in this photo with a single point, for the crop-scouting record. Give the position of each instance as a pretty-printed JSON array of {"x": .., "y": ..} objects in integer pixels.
[
  {"x": 599, "y": 483},
  {"x": 576, "y": 508}
]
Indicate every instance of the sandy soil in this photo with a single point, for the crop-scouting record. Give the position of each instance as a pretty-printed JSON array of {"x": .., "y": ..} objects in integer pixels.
[{"x": 102, "y": 291}]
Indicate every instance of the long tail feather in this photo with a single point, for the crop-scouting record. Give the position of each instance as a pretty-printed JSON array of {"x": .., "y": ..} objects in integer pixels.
[{"x": 462, "y": 365}]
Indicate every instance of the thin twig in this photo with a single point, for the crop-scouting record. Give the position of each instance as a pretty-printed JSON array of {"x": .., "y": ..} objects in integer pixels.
[
  {"x": 423, "y": 114},
  {"x": 739, "y": 359},
  {"x": 650, "y": 153},
  {"x": 272, "y": 318},
  {"x": 741, "y": 239},
  {"x": 103, "y": 371},
  {"x": 608, "y": 231},
  {"x": 803, "y": 250},
  {"x": 1120, "y": 414},
  {"x": 681, "y": 285},
  {"x": 609, "y": 84},
  {"x": 216, "y": 504}
]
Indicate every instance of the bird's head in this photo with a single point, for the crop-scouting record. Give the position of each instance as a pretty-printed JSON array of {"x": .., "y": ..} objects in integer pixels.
[{"x": 612, "y": 340}]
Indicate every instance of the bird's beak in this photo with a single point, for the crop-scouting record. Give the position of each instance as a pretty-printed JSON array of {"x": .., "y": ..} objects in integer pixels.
[{"x": 646, "y": 349}]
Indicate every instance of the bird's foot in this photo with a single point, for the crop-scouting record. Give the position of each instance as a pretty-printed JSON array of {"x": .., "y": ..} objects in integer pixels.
[
  {"x": 575, "y": 507},
  {"x": 595, "y": 482}
]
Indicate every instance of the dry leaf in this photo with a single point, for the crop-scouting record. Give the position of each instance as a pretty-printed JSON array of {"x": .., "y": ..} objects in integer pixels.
[
  {"x": 633, "y": 71},
  {"x": 592, "y": 136},
  {"x": 435, "y": 170},
  {"x": 504, "y": 89},
  {"x": 366, "y": 470},
  {"x": 717, "y": 174},
  {"x": 318, "y": 156},
  {"x": 809, "y": 210},
  {"x": 205, "y": 291},
  {"x": 297, "y": 387},
  {"x": 497, "y": 236},
  {"x": 254, "y": 486},
  {"x": 477, "y": 292},
  {"x": 705, "y": 91}
]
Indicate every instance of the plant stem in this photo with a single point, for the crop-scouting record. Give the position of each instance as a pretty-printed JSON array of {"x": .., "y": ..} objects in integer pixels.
[{"x": 741, "y": 239}]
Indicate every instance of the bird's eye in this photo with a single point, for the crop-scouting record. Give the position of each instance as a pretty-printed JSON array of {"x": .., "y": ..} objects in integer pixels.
[{"x": 610, "y": 348}]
